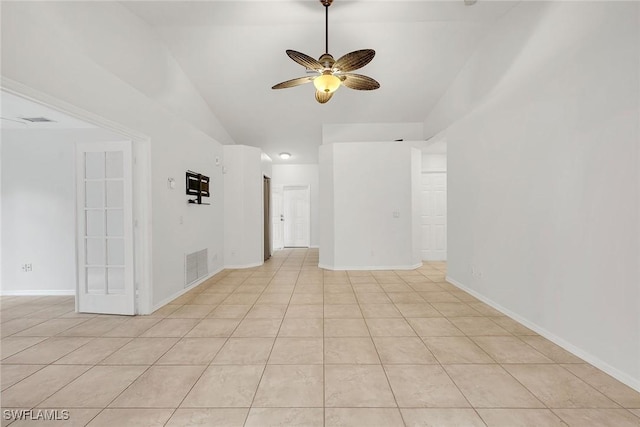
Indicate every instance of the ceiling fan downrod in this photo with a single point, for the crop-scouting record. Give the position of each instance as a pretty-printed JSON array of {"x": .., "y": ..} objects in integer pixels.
[
  {"x": 326, "y": 59},
  {"x": 326, "y": 4}
]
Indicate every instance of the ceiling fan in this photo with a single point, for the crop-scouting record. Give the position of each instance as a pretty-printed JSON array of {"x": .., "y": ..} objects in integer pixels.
[{"x": 331, "y": 73}]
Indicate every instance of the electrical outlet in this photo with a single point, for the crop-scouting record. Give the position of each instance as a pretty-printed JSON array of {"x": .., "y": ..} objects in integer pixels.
[{"x": 27, "y": 267}]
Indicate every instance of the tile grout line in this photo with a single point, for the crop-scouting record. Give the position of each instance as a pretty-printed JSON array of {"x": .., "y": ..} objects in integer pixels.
[
  {"x": 384, "y": 371},
  {"x": 264, "y": 369}
]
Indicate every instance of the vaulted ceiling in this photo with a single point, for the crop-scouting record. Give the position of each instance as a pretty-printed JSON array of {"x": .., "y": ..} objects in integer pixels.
[{"x": 234, "y": 52}]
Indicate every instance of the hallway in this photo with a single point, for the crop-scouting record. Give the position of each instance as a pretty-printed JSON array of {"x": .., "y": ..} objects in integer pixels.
[{"x": 290, "y": 344}]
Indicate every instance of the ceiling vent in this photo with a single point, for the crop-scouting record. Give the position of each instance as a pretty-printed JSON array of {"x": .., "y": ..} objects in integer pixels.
[{"x": 37, "y": 119}]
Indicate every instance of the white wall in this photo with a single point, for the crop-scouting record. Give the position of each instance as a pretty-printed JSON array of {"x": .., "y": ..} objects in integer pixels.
[
  {"x": 369, "y": 182},
  {"x": 368, "y": 132},
  {"x": 100, "y": 57},
  {"x": 434, "y": 162},
  {"x": 39, "y": 205},
  {"x": 243, "y": 206},
  {"x": 266, "y": 165},
  {"x": 301, "y": 175},
  {"x": 544, "y": 177},
  {"x": 326, "y": 210}
]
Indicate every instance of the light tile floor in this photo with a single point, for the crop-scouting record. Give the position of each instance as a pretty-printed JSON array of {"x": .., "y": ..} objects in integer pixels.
[{"x": 290, "y": 344}]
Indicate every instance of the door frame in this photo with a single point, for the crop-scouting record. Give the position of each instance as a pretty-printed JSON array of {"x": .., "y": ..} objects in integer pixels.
[
  {"x": 307, "y": 188},
  {"x": 266, "y": 208},
  {"x": 141, "y": 153}
]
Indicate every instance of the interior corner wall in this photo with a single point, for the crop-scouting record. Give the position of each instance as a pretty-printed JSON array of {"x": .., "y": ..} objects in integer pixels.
[
  {"x": 373, "y": 219},
  {"x": 416, "y": 205},
  {"x": 434, "y": 162},
  {"x": 39, "y": 208},
  {"x": 70, "y": 51},
  {"x": 266, "y": 165},
  {"x": 243, "y": 207},
  {"x": 544, "y": 181},
  {"x": 368, "y": 132},
  {"x": 326, "y": 211},
  {"x": 303, "y": 174}
]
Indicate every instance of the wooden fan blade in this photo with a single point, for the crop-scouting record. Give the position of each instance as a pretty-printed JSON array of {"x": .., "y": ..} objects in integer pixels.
[
  {"x": 323, "y": 97},
  {"x": 305, "y": 60},
  {"x": 354, "y": 60},
  {"x": 359, "y": 82},
  {"x": 293, "y": 82}
]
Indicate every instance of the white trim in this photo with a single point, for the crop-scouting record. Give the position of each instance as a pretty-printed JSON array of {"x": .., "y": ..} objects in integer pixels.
[
  {"x": 586, "y": 356},
  {"x": 314, "y": 247},
  {"x": 39, "y": 97},
  {"x": 183, "y": 291},
  {"x": 142, "y": 203},
  {"x": 371, "y": 267},
  {"x": 241, "y": 266},
  {"x": 39, "y": 292},
  {"x": 142, "y": 231}
]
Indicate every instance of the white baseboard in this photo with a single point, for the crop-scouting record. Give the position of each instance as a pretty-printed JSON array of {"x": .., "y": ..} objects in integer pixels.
[
  {"x": 38, "y": 292},
  {"x": 370, "y": 267},
  {"x": 183, "y": 291},
  {"x": 584, "y": 355},
  {"x": 241, "y": 266}
]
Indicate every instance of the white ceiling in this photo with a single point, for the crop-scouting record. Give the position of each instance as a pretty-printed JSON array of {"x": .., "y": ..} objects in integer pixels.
[{"x": 234, "y": 51}]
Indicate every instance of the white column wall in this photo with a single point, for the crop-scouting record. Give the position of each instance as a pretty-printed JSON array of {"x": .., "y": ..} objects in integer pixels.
[
  {"x": 374, "y": 220},
  {"x": 243, "y": 207}
]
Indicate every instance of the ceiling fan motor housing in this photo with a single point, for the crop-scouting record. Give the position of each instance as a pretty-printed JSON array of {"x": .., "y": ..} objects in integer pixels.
[{"x": 327, "y": 60}]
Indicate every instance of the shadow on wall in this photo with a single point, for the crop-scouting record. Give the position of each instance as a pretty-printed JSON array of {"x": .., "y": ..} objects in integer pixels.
[{"x": 484, "y": 70}]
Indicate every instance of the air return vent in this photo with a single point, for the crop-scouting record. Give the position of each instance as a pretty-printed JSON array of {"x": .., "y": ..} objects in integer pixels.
[
  {"x": 195, "y": 266},
  {"x": 37, "y": 119}
]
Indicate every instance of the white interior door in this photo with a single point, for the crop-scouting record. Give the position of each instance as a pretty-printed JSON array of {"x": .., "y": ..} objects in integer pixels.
[
  {"x": 277, "y": 219},
  {"x": 105, "y": 228},
  {"x": 297, "y": 221},
  {"x": 433, "y": 217}
]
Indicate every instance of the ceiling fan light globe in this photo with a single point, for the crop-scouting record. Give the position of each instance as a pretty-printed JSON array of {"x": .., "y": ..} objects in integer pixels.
[{"x": 327, "y": 83}]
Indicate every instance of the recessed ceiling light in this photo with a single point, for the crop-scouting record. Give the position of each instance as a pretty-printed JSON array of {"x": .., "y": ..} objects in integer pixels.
[{"x": 285, "y": 156}]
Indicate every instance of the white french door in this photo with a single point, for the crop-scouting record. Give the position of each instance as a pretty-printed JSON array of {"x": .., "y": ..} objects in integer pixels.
[
  {"x": 105, "y": 228},
  {"x": 297, "y": 221},
  {"x": 433, "y": 216}
]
